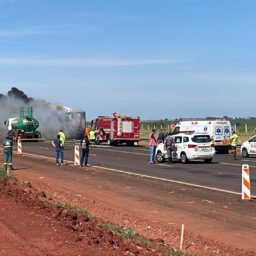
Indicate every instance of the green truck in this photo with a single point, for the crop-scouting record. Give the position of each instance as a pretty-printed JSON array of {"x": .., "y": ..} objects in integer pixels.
[{"x": 23, "y": 127}]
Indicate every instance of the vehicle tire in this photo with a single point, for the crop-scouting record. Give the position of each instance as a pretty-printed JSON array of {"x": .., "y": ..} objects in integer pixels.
[
  {"x": 244, "y": 153},
  {"x": 159, "y": 157},
  {"x": 130, "y": 143},
  {"x": 108, "y": 141},
  {"x": 208, "y": 160},
  {"x": 183, "y": 158}
]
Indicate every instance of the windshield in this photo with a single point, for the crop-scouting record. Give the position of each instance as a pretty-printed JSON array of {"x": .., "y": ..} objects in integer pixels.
[{"x": 201, "y": 138}]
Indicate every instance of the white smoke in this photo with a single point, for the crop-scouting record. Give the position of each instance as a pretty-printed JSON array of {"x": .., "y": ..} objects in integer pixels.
[{"x": 51, "y": 117}]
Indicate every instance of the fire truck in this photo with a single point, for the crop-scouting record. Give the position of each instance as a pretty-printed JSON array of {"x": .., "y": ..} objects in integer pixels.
[{"x": 117, "y": 129}]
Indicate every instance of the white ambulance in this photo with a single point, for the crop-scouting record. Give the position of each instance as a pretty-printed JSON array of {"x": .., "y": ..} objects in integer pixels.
[{"x": 218, "y": 129}]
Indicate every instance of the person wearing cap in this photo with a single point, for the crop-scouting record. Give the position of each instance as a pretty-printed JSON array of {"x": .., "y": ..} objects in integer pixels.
[{"x": 8, "y": 144}]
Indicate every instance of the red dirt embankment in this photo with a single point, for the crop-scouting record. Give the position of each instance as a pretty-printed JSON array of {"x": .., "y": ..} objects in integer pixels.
[{"x": 32, "y": 226}]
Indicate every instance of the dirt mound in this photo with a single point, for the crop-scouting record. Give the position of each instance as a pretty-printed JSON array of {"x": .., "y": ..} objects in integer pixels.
[{"x": 83, "y": 231}]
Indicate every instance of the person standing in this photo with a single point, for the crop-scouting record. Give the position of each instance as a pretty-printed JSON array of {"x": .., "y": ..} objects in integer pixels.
[
  {"x": 57, "y": 143},
  {"x": 84, "y": 144},
  {"x": 152, "y": 146},
  {"x": 161, "y": 136},
  {"x": 8, "y": 144},
  {"x": 234, "y": 139},
  {"x": 62, "y": 137},
  {"x": 92, "y": 137},
  {"x": 169, "y": 147}
]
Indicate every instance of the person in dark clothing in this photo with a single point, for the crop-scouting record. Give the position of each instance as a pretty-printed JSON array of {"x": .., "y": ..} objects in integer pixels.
[
  {"x": 59, "y": 150},
  {"x": 162, "y": 135},
  {"x": 84, "y": 144},
  {"x": 169, "y": 143},
  {"x": 8, "y": 144}
]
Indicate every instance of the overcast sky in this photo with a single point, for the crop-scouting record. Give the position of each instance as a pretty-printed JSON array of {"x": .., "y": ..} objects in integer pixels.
[{"x": 148, "y": 58}]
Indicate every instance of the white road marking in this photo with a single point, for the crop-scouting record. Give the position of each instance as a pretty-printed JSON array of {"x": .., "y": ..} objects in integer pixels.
[
  {"x": 171, "y": 181},
  {"x": 152, "y": 177},
  {"x": 251, "y": 166}
]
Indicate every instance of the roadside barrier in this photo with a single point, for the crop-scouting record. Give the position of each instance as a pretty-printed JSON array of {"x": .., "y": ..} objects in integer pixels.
[
  {"x": 246, "y": 187},
  {"x": 77, "y": 155},
  {"x": 19, "y": 145}
]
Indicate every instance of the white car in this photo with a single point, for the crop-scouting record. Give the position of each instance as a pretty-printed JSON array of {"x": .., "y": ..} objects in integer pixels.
[
  {"x": 248, "y": 148},
  {"x": 188, "y": 147}
]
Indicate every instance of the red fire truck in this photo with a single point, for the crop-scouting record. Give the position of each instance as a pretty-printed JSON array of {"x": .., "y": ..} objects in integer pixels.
[{"x": 116, "y": 129}]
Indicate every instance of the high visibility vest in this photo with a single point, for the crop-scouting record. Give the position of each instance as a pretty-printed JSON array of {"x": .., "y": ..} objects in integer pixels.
[
  {"x": 234, "y": 139},
  {"x": 62, "y": 137},
  {"x": 92, "y": 135}
]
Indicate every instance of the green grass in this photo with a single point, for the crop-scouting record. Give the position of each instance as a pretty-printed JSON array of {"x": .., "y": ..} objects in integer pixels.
[
  {"x": 3, "y": 174},
  {"x": 129, "y": 233},
  {"x": 78, "y": 211}
]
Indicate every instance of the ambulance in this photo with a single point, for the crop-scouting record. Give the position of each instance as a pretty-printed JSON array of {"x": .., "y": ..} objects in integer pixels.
[{"x": 218, "y": 129}]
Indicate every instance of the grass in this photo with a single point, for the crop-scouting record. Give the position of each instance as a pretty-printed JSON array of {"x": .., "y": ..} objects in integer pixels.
[
  {"x": 129, "y": 233},
  {"x": 78, "y": 211},
  {"x": 3, "y": 175}
]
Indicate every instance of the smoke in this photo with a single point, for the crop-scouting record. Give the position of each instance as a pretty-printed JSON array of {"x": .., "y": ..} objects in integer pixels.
[{"x": 52, "y": 117}]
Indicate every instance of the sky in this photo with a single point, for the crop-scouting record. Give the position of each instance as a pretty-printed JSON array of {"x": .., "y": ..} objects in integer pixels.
[{"x": 155, "y": 59}]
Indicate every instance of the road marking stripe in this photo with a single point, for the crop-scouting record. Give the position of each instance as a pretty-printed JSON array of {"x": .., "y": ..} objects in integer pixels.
[
  {"x": 149, "y": 177},
  {"x": 252, "y": 166},
  {"x": 168, "y": 180}
]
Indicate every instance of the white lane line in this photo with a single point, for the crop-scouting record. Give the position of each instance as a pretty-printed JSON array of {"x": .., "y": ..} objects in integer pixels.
[
  {"x": 168, "y": 180},
  {"x": 251, "y": 166},
  {"x": 166, "y": 165},
  {"x": 249, "y": 160},
  {"x": 146, "y": 176}
]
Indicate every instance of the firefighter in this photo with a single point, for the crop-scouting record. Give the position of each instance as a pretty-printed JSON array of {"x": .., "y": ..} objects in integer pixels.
[
  {"x": 92, "y": 137},
  {"x": 62, "y": 138},
  {"x": 8, "y": 144}
]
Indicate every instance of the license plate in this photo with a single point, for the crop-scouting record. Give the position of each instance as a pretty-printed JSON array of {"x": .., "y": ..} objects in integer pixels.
[{"x": 205, "y": 149}]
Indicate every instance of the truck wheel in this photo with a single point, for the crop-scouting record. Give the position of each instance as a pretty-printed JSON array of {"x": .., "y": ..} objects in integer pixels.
[
  {"x": 209, "y": 160},
  {"x": 244, "y": 153},
  {"x": 183, "y": 158},
  {"x": 130, "y": 143},
  {"x": 159, "y": 157}
]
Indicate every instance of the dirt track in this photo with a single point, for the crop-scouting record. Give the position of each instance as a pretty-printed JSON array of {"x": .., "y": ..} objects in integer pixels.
[{"x": 127, "y": 201}]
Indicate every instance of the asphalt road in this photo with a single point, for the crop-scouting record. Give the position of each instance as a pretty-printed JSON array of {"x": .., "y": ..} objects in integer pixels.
[{"x": 223, "y": 174}]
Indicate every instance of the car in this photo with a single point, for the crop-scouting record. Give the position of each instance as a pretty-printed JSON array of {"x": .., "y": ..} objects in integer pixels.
[
  {"x": 248, "y": 148},
  {"x": 188, "y": 146}
]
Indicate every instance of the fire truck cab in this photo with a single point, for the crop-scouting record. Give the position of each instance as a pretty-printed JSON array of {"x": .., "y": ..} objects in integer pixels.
[{"x": 117, "y": 129}]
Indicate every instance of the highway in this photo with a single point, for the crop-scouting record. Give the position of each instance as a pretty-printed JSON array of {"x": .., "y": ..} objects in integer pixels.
[{"x": 224, "y": 174}]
